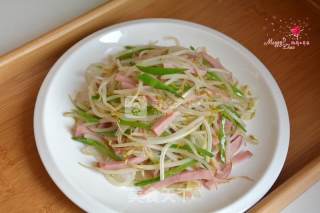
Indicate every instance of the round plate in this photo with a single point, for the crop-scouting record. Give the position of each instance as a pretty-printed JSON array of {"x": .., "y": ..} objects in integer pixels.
[{"x": 90, "y": 190}]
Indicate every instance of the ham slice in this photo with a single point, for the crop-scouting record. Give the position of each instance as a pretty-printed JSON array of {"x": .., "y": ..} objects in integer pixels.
[
  {"x": 235, "y": 144},
  {"x": 125, "y": 81},
  {"x": 209, "y": 184},
  {"x": 120, "y": 164},
  {"x": 215, "y": 140},
  {"x": 228, "y": 126},
  {"x": 224, "y": 172},
  {"x": 81, "y": 130},
  {"x": 201, "y": 174},
  {"x": 215, "y": 62},
  {"x": 163, "y": 123},
  {"x": 241, "y": 156},
  {"x": 127, "y": 85},
  {"x": 221, "y": 175}
]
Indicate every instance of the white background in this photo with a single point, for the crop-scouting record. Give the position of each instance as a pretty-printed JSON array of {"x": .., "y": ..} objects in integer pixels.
[{"x": 24, "y": 20}]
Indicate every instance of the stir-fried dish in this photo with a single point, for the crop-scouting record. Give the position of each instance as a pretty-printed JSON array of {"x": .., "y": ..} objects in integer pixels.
[{"x": 163, "y": 118}]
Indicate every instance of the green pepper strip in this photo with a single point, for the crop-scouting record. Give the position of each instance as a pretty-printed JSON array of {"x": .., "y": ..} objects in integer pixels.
[
  {"x": 237, "y": 91},
  {"x": 232, "y": 109},
  {"x": 95, "y": 97},
  {"x": 85, "y": 116},
  {"x": 100, "y": 147},
  {"x": 222, "y": 139},
  {"x": 160, "y": 70},
  {"x": 234, "y": 121},
  {"x": 215, "y": 77},
  {"x": 130, "y": 53},
  {"x": 170, "y": 172},
  {"x": 201, "y": 151},
  {"x": 155, "y": 83},
  {"x": 135, "y": 124}
]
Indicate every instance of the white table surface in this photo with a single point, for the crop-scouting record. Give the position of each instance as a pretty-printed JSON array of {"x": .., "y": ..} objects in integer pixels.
[
  {"x": 24, "y": 20},
  {"x": 308, "y": 202}
]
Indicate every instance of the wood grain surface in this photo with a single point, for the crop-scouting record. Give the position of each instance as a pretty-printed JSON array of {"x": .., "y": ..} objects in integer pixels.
[{"x": 25, "y": 185}]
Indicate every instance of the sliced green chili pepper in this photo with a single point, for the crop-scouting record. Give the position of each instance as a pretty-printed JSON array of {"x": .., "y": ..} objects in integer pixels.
[
  {"x": 160, "y": 70},
  {"x": 237, "y": 91},
  {"x": 95, "y": 97},
  {"x": 234, "y": 119},
  {"x": 179, "y": 169},
  {"x": 147, "y": 181},
  {"x": 232, "y": 109},
  {"x": 131, "y": 52},
  {"x": 214, "y": 76},
  {"x": 155, "y": 83},
  {"x": 102, "y": 148},
  {"x": 222, "y": 140},
  {"x": 206, "y": 62},
  {"x": 201, "y": 151},
  {"x": 170, "y": 172},
  {"x": 138, "y": 124},
  {"x": 85, "y": 116}
]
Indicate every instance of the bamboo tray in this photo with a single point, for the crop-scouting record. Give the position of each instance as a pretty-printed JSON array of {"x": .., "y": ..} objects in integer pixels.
[{"x": 25, "y": 185}]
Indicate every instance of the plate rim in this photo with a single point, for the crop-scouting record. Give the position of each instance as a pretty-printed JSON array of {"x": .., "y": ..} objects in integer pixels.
[{"x": 243, "y": 203}]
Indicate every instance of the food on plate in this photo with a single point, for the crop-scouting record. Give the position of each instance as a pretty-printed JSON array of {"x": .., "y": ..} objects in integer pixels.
[{"x": 166, "y": 118}]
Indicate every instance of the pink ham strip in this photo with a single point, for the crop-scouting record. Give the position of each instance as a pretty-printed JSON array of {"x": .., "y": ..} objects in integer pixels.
[
  {"x": 163, "y": 123},
  {"x": 120, "y": 77},
  {"x": 215, "y": 62},
  {"x": 126, "y": 82},
  {"x": 235, "y": 144},
  {"x": 201, "y": 174},
  {"x": 121, "y": 164},
  {"x": 81, "y": 129},
  {"x": 221, "y": 176},
  {"x": 127, "y": 85},
  {"x": 209, "y": 184},
  {"x": 241, "y": 156},
  {"x": 215, "y": 140},
  {"x": 120, "y": 151},
  {"x": 224, "y": 172},
  {"x": 172, "y": 65},
  {"x": 228, "y": 125}
]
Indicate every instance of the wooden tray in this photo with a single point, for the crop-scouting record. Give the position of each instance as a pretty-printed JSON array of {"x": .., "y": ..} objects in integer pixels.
[{"x": 25, "y": 185}]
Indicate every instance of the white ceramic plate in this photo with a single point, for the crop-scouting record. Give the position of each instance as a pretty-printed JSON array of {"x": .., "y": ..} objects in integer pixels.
[{"x": 90, "y": 190}]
